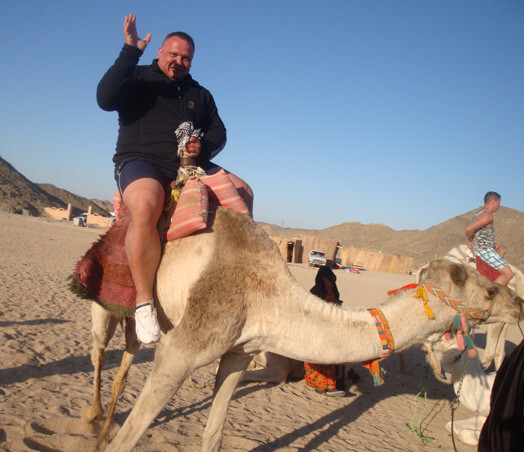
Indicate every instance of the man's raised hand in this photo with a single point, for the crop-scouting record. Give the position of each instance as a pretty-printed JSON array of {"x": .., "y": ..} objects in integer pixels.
[{"x": 131, "y": 35}]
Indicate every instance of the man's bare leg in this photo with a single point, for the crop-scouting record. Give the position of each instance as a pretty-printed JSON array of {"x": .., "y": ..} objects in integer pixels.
[
  {"x": 144, "y": 199},
  {"x": 244, "y": 190},
  {"x": 505, "y": 275}
]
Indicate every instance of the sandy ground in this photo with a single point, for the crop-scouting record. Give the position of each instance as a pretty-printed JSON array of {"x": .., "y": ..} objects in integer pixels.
[{"x": 46, "y": 373}]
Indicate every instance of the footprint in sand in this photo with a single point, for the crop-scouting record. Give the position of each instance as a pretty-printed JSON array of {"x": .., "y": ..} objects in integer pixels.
[
  {"x": 41, "y": 429},
  {"x": 35, "y": 445}
]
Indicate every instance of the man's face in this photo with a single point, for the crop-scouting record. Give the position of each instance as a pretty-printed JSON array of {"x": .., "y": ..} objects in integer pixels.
[
  {"x": 174, "y": 58},
  {"x": 494, "y": 205}
]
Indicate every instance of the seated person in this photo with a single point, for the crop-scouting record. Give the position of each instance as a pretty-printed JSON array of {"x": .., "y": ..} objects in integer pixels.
[{"x": 324, "y": 378}]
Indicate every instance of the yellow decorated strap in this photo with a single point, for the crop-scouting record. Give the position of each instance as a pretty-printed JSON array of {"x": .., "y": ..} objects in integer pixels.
[{"x": 422, "y": 294}]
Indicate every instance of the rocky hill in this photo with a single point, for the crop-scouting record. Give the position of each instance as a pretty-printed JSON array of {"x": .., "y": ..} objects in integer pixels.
[{"x": 19, "y": 194}]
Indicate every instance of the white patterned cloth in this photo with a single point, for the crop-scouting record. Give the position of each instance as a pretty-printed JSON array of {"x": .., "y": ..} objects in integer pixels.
[{"x": 185, "y": 131}]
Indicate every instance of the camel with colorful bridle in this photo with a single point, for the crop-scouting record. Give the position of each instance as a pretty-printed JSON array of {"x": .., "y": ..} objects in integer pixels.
[{"x": 227, "y": 293}]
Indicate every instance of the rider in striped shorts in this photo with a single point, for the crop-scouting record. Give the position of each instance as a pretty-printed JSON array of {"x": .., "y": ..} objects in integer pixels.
[{"x": 481, "y": 238}]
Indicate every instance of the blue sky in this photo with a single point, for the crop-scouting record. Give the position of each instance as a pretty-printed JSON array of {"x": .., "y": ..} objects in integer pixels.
[{"x": 400, "y": 113}]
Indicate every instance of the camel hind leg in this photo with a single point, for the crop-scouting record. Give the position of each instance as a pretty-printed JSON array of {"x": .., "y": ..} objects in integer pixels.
[
  {"x": 119, "y": 383},
  {"x": 275, "y": 368},
  {"x": 103, "y": 328},
  {"x": 232, "y": 367}
]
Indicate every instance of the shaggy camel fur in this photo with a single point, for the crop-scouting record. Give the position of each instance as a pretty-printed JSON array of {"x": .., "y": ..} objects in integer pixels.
[
  {"x": 467, "y": 376},
  {"x": 228, "y": 293},
  {"x": 496, "y": 337}
]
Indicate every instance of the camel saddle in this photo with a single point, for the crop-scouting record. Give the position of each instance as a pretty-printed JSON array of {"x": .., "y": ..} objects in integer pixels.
[
  {"x": 103, "y": 274},
  {"x": 485, "y": 269}
]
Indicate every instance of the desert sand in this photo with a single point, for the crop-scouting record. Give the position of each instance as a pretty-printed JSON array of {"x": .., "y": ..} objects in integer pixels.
[{"x": 46, "y": 373}]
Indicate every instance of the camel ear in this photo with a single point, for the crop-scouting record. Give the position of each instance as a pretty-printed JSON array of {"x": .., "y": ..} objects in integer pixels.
[{"x": 458, "y": 274}]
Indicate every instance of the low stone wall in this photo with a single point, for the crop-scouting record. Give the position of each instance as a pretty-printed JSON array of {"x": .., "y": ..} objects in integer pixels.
[
  {"x": 290, "y": 249},
  {"x": 310, "y": 243},
  {"x": 59, "y": 213},
  {"x": 94, "y": 218},
  {"x": 296, "y": 250},
  {"x": 375, "y": 260}
]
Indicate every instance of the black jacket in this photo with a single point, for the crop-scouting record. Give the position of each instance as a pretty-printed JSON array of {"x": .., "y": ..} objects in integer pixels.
[{"x": 151, "y": 106}]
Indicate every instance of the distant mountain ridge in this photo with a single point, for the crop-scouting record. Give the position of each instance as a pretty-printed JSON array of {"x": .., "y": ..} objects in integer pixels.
[
  {"x": 17, "y": 193},
  {"x": 421, "y": 245}
]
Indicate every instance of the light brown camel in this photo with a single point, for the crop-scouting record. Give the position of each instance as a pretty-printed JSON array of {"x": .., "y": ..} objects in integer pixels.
[
  {"x": 470, "y": 383},
  {"x": 272, "y": 368},
  {"x": 496, "y": 336},
  {"x": 228, "y": 293}
]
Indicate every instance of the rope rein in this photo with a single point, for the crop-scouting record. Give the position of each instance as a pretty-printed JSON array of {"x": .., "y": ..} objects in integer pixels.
[{"x": 417, "y": 430}]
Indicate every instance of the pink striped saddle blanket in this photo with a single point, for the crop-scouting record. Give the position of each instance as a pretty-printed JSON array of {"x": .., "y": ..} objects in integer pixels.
[{"x": 103, "y": 273}]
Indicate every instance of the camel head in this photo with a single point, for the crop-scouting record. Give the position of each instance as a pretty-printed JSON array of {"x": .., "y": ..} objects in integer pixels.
[
  {"x": 468, "y": 286},
  {"x": 449, "y": 361},
  {"x": 449, "y": 358}
]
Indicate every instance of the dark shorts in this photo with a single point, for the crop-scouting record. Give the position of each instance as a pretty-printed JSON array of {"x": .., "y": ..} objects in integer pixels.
[{"x": 129, "y": 171}]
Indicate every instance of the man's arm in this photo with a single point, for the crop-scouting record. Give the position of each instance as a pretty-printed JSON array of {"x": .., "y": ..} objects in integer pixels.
[
  {"x": 113, "y": 89},
  {"x": 500, "y": 250},
  {"x": 483, "y": 219},
  {"x": 214, "y": 139}
]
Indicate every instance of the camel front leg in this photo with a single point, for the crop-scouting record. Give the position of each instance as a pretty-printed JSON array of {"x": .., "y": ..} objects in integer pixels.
[
  {"x": 119, "y": 384},
  {"x": 434, "y": 362},
  {"x": 103, "y": 328},
  {"x": 174, "y": 362},
  {"x": 232, "y": 367},
  {"x": 495, "y": 344},
  {"x": 500, "y": 350}
]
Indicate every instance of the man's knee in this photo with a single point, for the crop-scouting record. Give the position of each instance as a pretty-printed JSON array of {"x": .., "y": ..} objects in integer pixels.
[
  {"x": 244, "y": 190},
  {"x": 507, "y": 271},
  {"x": 241, "y": 185},
  {"x": 144, "y": 201}
]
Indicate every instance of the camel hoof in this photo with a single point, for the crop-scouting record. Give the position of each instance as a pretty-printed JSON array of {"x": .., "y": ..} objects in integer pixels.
[
  {"x": 100, "y": 445},
  {"x": 91, "y": 413},
  {"x": 101, "y": 442}
]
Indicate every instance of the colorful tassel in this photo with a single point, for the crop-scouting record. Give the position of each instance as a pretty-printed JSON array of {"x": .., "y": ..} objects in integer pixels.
[
  {"x": 469, "y": 346},
  {"x": 429, "y": 312},
  {"x": 422, "y": 294},
  {"x": 465, "y": 324},
  {"x": 460, "y": 341},
  {"x": 461, "y": 329},
  {"x": 376, "y": 372},
  {"x": 378, "y": 380}
]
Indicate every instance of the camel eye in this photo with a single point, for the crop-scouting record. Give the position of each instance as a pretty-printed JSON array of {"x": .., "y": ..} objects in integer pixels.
[{"x": 492, "y": 291}]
